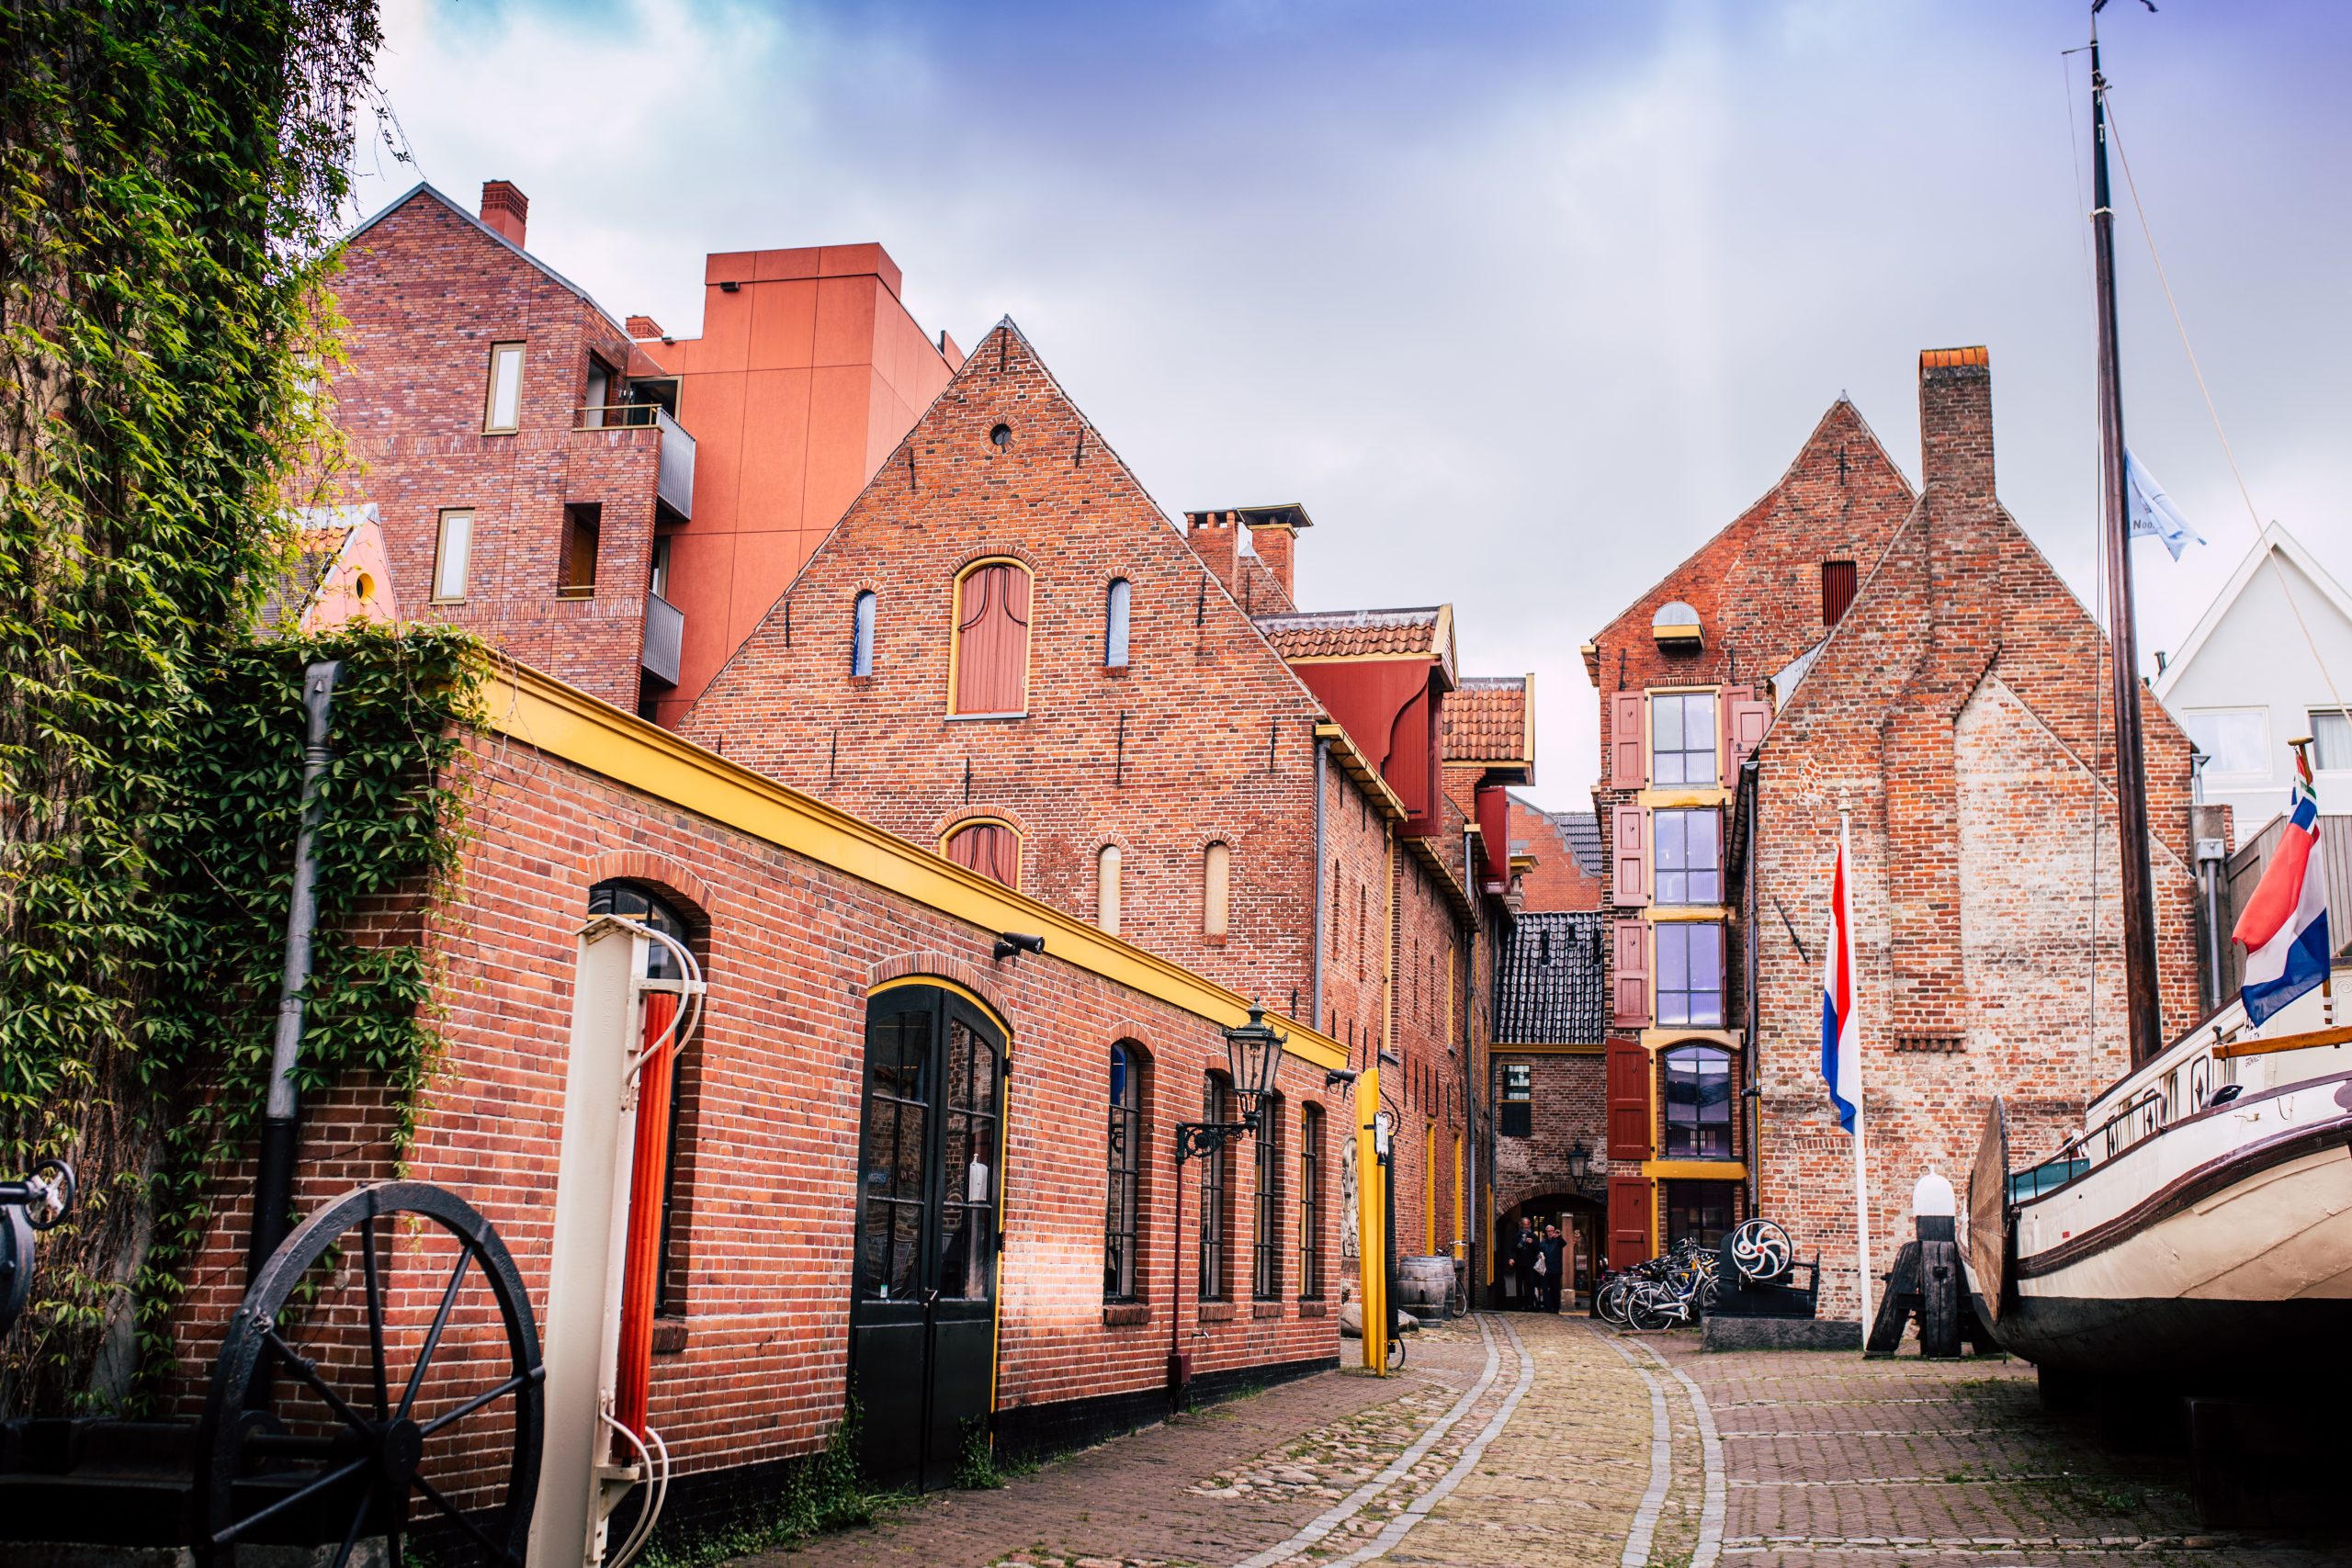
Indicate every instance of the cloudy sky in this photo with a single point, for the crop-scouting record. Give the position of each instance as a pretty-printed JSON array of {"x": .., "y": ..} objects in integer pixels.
[{"x": 1523, "y": 300}]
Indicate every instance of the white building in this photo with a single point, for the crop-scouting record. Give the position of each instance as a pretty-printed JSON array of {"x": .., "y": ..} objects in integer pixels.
[{"x": 2246, "y": 682}]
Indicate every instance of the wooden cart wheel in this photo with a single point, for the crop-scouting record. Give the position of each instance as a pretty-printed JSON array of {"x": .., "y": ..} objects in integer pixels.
[{"x": 381, "y": 1379}]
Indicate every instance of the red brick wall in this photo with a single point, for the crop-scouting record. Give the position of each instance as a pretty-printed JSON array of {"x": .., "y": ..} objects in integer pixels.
[
  {"x": 425, "y": 293},
  {"x": 1557, "y": 882}
]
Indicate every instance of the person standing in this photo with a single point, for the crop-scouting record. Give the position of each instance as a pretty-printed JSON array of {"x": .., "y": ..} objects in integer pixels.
[
  {"x": 1523, "y": 1254},
  {"x": 1553, "y": 1250}
]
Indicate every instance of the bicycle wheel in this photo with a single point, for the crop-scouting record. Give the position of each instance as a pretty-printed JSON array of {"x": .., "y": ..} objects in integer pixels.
[
  {"x": 1614, "y": 1297},
  {"x": 1395, "y": 1354},
  {"x": 1645, "y": 1313}
]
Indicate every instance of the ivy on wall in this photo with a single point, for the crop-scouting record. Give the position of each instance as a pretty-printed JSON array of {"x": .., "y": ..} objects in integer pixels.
[{"x": 171, "y": 180}]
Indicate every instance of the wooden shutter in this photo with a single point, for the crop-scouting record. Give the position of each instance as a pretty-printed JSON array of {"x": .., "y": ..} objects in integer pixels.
[
  {"x": 1629, "y": 1221},
  {"x": 992, "y": 640},
  {"x": 1628, "y": 1086},
  {"x": 1745, "y": 722},
  {"x": 990, "y": 848},
  {"x": 1629, "y": 976},
  {"x": 1837, "y": 590},
  {"x": 1628, "y": 757},
  {"x": 1628, "y": 855}
]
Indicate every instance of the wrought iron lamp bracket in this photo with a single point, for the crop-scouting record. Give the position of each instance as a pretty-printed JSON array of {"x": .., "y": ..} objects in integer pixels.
[{"x": 1198, "y": 1140}]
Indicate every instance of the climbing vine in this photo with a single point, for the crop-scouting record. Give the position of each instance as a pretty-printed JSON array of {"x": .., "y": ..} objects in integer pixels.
[{"x": 171, "y": 180}]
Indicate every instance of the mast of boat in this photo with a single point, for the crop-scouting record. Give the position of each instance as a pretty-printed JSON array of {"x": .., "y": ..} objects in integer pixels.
[{"x": 2142, "y": 1007}]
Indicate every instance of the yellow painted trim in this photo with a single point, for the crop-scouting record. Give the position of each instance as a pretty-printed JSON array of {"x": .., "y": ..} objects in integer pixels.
[
  {"x": 955, "y": 636},
  {"x": 1677, "y": 631},
  {"x": 1687, "y": 914},
  {"x": 1425, "y": 851},
  {"x": 1655, "y": 1040},
  {"x": 1388, "y": 944},
  {"x": 1429, "y": 1189},
  {"x": 1460, "y": 1218},
  {"x": 1372, "y": 1260},
  {"x": 1695, "y": 1169},
  {"x": 1545, "y": 1049},
  {"x": 963, "y": 822},
  {"x": 1358, "y": 767},
  {"x": 1696, "y": 797},
  {"x": 540, "y": 712},
  {"x": 941, "y": 982}
]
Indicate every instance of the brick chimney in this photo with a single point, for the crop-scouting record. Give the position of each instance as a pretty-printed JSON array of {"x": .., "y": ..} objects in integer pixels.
[
  {"x": 1956, "y": 421},
  {"x": 505, "y": 208},
  {"x": 1211, "y": 534},
  {"x": 1275, "y": 544},
  {"x": 643, "y": 327}
]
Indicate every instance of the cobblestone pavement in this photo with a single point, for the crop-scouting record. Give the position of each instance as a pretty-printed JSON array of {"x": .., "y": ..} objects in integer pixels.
[{"x": 1519, "y": 1439}]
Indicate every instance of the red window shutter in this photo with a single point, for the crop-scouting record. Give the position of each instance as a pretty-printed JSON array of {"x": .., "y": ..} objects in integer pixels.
[
  {"x": 1629, "y": 1221},
  {"x": 1629, "y": 974},
  {"x": 1748, "y": 721},
  {"x": 988, "y": 848},
  {"x": 1628, "y": 855},
  {"x": 1837, "y": 590},
  {"x": 1627, "y": 1075},
  {"x": 992, "y": 640},
  {"x": 1628, "y": 757}
]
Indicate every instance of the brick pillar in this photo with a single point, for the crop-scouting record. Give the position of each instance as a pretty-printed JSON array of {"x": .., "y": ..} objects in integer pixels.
[
  {"x": 1211, "y": 534},
  {"x": 1276, "y": 544},
  {"x": 1964, "y": 637},
  {"x": 505, "y": 208}
]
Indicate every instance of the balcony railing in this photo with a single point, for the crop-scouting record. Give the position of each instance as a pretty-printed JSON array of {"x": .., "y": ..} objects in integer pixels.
[
  {"x": 666, "y": 629},
  {"x": 673, "y": 483}
]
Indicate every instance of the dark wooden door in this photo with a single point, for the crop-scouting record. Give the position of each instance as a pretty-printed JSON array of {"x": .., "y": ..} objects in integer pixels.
[{"x": 923, "y": 1315}]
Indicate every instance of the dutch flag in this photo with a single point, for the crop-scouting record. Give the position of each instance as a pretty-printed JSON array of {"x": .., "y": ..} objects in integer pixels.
[
  {"x": 1841, "y": 1066},
  {"x": 2284, "y": 927}
]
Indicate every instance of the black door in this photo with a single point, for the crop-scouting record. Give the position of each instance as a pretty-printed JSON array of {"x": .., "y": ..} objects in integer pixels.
[{"x": 922, "y": 1318}]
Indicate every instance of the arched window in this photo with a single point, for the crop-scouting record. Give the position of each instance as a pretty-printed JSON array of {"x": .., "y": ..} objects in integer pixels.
[
  {"x": 1216, "y": 1185},
  {"x": 1266, "y": 1237},
  {"x": 991, "y": 654},
  {"x": 1106, "y": 888},
  {"x": 1123, "y": 1207},
  {"x": 1216, "y": 888},
  {"x": 861, "y": 635},
  {"x": 1115, "y": 625},
  {"x": 631, "y": 901},
  {"x": 669, "y": 1090},
  {"x": 1311, "y": 1201},
  {"x": 988, "y": 847},
  {"x": 1697, "y": 1103}
]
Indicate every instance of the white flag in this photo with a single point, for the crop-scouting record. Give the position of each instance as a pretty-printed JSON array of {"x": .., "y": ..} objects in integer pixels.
[{"x": 2151, "y": 511}]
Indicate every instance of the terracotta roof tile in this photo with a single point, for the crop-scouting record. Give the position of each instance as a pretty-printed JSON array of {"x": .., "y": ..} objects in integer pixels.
[
  {"x": 1486, "y": 718},
  {"x": 1343, "y": 633}
]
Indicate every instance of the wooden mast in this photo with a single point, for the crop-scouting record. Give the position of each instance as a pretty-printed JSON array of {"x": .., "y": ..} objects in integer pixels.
[{"x": 2139, "y": 999}]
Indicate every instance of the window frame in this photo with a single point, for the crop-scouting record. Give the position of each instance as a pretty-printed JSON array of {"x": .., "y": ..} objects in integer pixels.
[
  {"x": 447, "y": 514},
  {"x": 1266, "y": 1232},
  {"x": 1659, "y": 992},
  {"x": 1659, "y": 871},
  {"x": 615, "y": 896},
  {"x": 1683, "y": 1194},
  {"x": 1118, "y": 624},
  {"x": 1840, "y": 582},
  {"x": 955, "y": 640},
  {"x": 1518, "y": 1092},
  {"x": 862, "y": 613},
  {"x": 1687, "y": 1137},
  {"x": 957, "y": 829},
  {"x": 1310, "y": 1202},
  {"x": 1109, "y": 889},
  {"x": 1714, "y": 753},
  {"x": 1215, "y": 1221},
  {"x": 2261, "y": 717},
  {"x": 498, "y": 352},
  {"x": 1123, "y": 1254},
  {"x": 1216, "y": 889},
  {"x": 580, "y": 518}
]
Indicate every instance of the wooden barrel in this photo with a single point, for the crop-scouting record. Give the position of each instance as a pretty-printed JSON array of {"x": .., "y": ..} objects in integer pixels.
[{"x": 1424, "y": 1284}]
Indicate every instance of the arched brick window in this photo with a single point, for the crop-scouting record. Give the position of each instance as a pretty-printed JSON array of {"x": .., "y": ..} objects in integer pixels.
[
  {"x": 992, "y": 639},
  {"x": 1115, "y": 625},
  {"x": 1122, "y": 1226},
  {"x": 1216, "y": 888},
  {"x": 988, "y": 847},
  {"x": 1106, "y": 888},
  {"x": 861, "y": 635}
]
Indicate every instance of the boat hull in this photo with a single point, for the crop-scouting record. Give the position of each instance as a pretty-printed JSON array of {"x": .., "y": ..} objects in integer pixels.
[{"x": 2216, "y": 1251}]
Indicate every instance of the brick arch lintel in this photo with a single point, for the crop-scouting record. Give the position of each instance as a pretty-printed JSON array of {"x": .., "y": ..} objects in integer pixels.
[
  {"x": 675, "y": 882},
  {"x": 977, "y": 811},
  {"x": 943, "y": 966},
  {"x": 999, "y": 549}
]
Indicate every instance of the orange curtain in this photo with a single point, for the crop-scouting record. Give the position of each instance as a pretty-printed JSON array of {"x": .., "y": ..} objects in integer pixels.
[
  {"x": 642, "y": 1266},
  {"x": 993, "y": 642}
]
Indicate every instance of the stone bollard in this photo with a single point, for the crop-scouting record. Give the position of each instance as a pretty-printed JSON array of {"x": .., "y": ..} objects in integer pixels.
[{"x": 1934, "y": 1213}]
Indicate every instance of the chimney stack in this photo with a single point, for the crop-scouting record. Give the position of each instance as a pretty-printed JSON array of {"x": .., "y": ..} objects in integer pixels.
[
  {"x": 1210, "y": 537},
  {"x": 505, "y": 208},
  {"x": 1956, "y": 423},
  {"x": 1275, "y": 544},
  {"x": 643, "y": 327}
]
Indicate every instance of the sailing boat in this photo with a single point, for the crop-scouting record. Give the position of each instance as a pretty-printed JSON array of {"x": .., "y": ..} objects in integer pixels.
[{"x": 2197, "y": 1229}]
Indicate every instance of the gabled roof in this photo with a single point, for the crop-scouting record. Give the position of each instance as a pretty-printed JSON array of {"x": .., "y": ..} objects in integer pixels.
[
  {"x": 2273, "y": 538},
  {"x": 1489, "y": 719},
  {"x": 1550, "y": 991},
  {"x": 1581, "y": 831},
  {"x": 1309, "y": 634},
  {"x": 424, "y": 187}
]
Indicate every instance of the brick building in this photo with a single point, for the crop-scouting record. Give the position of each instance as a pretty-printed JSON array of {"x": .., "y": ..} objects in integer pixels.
[
  {"x": 529, "y": 453},
  {"x": 1006, "y": 652},
  {"x": 1911, "y": 658},
  {"x": 1558, "y": 854}
]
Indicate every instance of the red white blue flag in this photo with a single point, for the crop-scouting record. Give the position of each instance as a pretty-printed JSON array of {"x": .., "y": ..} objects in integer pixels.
[
  {"x": 2284, "y": 927},
  {"x": 1841, "y": 1067}
]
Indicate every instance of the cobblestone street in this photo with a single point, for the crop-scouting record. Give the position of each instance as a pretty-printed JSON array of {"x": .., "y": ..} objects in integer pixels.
[{"x": 1513, "y": 1439}]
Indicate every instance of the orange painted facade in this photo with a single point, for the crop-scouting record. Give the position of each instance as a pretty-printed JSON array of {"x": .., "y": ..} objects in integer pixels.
[{"x": 808, "y": 373}]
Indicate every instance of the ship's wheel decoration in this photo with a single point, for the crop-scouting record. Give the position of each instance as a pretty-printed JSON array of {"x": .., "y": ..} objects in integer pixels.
[{"x": 1760, "y": 1251}]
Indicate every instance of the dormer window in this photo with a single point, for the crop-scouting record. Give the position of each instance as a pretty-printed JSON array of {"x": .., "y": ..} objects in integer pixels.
[{"x": 1676, "y": 626}]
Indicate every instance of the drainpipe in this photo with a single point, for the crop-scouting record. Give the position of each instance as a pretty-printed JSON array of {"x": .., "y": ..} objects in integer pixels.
[
  {"x": 273, "y": 1172},
  {"x": 1752, "y": 780},
  {"x": 2209, "y": 863},
  {"x": 1469, "y": 1176},
  {"x": 1322, "y": 763}
]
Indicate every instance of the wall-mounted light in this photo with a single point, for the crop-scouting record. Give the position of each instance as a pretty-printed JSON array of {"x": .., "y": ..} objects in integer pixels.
[{"x": 1009, "y": 943}]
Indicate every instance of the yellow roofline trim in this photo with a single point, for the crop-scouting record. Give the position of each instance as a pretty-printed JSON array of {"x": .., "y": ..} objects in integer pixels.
[
  {"x": 541, "y": 712},
  {"x": 1357, "y": 766},
  {"x": 1695, "y": 1169}
]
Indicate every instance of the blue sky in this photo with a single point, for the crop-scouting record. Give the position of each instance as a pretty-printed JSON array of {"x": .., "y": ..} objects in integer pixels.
[{"x": 1522, "y": 301}]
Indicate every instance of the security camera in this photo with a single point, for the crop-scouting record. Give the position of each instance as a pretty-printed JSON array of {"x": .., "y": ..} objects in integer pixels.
[
  {"x": 1334, "y": 1076},
  {"x": 1009, "y": 943}
]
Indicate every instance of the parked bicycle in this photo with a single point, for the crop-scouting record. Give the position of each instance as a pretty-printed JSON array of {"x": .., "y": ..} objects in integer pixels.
[{"x": 1683, "y": 1282}]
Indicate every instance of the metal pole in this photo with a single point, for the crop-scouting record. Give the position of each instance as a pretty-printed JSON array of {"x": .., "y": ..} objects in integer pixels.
[
  {"x": 2143, "y": 1008},
  {"x": 274, "y": 1173}
]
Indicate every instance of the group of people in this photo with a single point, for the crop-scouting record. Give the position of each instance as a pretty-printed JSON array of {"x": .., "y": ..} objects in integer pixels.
[{"x": 1541, "y": 1265}]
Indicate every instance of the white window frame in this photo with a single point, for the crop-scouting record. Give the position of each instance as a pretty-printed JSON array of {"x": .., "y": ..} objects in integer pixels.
[
  {"x": 443, "y": 559},
  {"x": 503, "y": 356},
  {"x": 2221, "y": 775}
]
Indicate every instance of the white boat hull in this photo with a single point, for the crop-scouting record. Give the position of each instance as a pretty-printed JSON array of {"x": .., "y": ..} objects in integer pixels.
[{"x": 2218, "y": 1247}]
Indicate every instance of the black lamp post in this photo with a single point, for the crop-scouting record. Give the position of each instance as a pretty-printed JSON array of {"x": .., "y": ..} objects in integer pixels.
[
  {"x": 1253, "y": 1055},
  {"x": 1579, "y": 1162}
]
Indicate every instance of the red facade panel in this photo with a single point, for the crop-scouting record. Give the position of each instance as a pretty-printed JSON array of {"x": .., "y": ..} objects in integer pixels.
[
  {"x": 1629, "y": 974},
  {"x": 1628, "y": 762},
  {"x": 1628, "y": 1090},
  {"x": 992, "y": 640},
  {"x": 1629, "y": 1221},
  {"x": 1493, "y": 831},
  {"x": 1629, "y": 848}
]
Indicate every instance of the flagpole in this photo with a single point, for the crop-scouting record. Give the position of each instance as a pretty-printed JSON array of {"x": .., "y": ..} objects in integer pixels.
[{"x": 1861, "y": 1187}]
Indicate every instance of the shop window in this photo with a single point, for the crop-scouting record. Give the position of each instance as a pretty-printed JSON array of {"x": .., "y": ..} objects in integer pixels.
[
  {"x": 1518, "y": 1119},
  {"x": 502, "y": 405},
  {"x": 1217, "y": 1172},
  {"x": 992, "y": 653},
  {"x": 1682, "y": 739},
  {"x": 1689, "y": 857},
  {"x": 576, "y": 570},
  {"x": 1115, "y": 625},
  {"x": 1698, "y": 1211},
  {"x": 1690, "y": 973},
  {"x": 1697, "y": 1103},
  {"x": 452, "y": 555},
  {"x": 861, "y": 635},
  {"x": 990, "y": 848},
  {"x": 1266, "y": 1238},
  {"x": 1311, "y": 1201},
  {"x": 1106, "y": 888},
  {"x": 1123, "y": 1210}
]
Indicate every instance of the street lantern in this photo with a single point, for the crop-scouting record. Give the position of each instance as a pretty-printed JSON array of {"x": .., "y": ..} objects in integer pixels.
[
  {"x": 1253, "y": 1053},
  {"x": 1579, "y": 1162}
]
